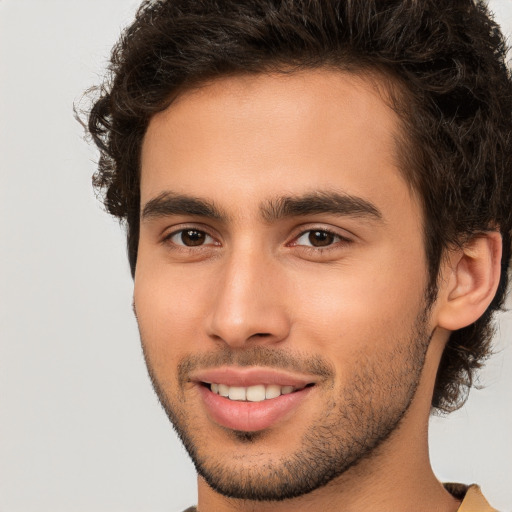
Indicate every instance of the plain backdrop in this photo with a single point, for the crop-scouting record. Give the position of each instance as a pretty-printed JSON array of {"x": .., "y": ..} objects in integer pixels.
[{"x": 80, "y": 428}]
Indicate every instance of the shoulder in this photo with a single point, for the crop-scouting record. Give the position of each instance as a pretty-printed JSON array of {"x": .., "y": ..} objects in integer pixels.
[{"x": 471, "y": 496}]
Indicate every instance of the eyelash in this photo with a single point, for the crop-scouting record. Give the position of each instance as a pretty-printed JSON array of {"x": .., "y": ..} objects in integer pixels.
[
  {"x": 168, "y": 238},
  {"x": 338, "y": 239},
  {"x": 335, "y": 244}
]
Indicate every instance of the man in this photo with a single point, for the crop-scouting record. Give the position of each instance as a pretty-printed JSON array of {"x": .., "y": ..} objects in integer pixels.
[{"x": 317, "y": 196}]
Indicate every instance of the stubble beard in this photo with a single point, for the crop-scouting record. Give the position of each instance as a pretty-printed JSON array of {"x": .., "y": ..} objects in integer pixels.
[{"x": 354, "y": 426}]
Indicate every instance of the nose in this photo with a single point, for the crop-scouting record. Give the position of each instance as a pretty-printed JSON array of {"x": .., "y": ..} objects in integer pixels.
[{"x": 249, "y": 303}]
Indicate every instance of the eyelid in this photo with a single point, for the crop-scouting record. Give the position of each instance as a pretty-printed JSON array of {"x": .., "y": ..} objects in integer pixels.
[
  {"x": 341, "y": 234},
  {"x": 174, "y": 230},
  {"x": 335, "y": 239},
  {"x": 344, "y": 236},
  {"x": 181, "y": 231}
]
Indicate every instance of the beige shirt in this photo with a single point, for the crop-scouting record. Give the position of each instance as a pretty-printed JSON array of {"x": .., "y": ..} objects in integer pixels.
[{"x": 472, "y": 498}]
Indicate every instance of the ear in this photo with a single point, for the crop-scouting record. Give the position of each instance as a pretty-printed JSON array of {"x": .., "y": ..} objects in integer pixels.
[{"x": 470, "y": 278}]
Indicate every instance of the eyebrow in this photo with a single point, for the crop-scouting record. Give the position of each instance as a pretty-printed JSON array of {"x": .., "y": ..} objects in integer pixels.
[
  {"x": 318, "y": 203},
  {"x": 169, "y": 203}
]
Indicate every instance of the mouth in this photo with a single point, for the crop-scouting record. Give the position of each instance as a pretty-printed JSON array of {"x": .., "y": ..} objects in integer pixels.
[
  {"x": 251, "y": 399},
  {"x": 255, "y": 393}
]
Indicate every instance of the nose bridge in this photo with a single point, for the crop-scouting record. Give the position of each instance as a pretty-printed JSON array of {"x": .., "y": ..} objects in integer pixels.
[{"x": 247, "y": 304}]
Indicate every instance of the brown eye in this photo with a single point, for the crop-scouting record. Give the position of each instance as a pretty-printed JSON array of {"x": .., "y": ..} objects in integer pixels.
[
  {"x": 318, "y": 238},
  {"x": 190, "y": 238}
]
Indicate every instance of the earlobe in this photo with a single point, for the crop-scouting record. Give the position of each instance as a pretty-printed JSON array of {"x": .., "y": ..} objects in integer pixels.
[{"x": 472, "y": 276}]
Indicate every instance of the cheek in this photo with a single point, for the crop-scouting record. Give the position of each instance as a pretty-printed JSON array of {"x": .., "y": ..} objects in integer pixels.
[
  {"x": 370, "y": 298},
  {"x": 170, "y": 305},
  {"x": 355, "y": 307}
]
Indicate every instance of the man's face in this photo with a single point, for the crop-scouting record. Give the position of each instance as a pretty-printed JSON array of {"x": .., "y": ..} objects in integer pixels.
[{"x": 281, "y": 261}]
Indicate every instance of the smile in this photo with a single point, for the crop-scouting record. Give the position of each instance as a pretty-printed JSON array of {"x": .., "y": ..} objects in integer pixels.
[
  {"x": 256, "y": 393},
  {"x": 251, "y": 408},
  {"x": 251, "y": 398}
]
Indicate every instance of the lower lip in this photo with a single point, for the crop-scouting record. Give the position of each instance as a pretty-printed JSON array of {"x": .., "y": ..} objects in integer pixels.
[{"x": 251, "y": 416}]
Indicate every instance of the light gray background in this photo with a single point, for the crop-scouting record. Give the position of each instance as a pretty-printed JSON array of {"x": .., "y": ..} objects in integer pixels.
[{"x": 80, "y": 429}]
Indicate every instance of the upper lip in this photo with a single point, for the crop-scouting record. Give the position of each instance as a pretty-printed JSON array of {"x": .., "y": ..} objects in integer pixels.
[{"x": 245, "y": 377}]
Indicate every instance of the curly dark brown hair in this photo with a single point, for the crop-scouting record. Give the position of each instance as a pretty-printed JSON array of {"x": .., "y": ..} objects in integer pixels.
[{"x": 446, "y": 59}]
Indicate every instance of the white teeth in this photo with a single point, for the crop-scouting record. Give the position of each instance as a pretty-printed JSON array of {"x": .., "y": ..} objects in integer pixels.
[
  {"x": 256, "y": 393},
  {"x": 223, "y": 390},
  {"x": 272, "y": 391},
  {"x": 236, "y": 393}
]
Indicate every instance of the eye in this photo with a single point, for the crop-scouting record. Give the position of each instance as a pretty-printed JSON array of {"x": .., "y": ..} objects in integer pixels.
[
  {"x": 317, "y": 238},
  {"x": 190, "y": 238}
]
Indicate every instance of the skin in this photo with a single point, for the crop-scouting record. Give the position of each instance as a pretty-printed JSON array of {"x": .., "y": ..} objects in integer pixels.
[{"x": 256, "y": 284}]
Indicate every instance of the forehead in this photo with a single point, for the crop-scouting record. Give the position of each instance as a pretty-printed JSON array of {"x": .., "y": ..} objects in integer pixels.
[{"x": 255, "y": 136}]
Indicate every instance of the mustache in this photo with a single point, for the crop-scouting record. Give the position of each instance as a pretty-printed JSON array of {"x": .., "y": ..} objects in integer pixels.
[{"x": 275, "y": 358}]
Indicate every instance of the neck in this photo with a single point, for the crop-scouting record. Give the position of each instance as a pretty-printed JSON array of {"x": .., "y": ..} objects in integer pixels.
[
  {"x": 378, "y": 484},
  {"x": 396, "y": 477}
]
